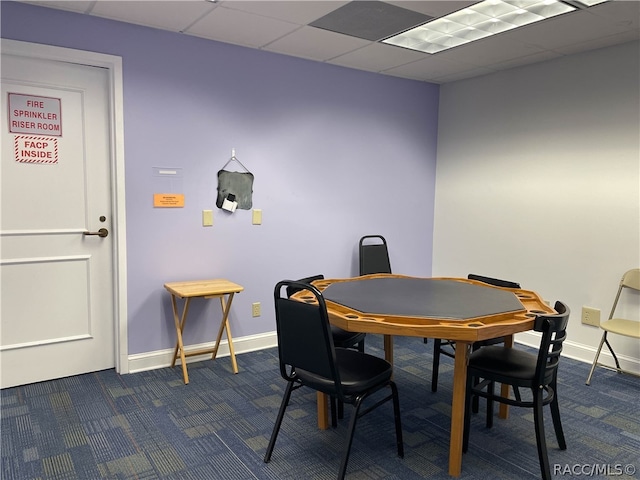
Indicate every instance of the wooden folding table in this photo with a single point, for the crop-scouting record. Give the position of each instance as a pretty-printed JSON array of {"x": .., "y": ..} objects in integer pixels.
[{"x": 216, "y": 288}]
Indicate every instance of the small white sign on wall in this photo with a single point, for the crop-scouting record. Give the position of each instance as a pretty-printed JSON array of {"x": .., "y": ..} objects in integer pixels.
[{"x": 35, "y": 115}]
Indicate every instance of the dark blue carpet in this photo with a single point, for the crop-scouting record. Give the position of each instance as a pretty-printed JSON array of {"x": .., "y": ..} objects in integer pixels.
[{"x": 151, "y": 426}]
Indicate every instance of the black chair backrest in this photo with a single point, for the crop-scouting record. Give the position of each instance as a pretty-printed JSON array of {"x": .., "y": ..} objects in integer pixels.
[
  {"x": 291, "y": 289},
  {"x": 496, "y": 282},
  {"x": 554, "y": 331},
  {"x": 374, "y": 257},
  {"x": 304, "y": 335}
]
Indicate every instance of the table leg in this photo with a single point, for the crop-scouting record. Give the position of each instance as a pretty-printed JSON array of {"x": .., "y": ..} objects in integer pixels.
[
  {"x": 457, "y": 407},
  {"x": 388, "y": 348},
  {"x": 503, "y": 409},
  {"x": 179, "y": 323},
  {"x": 224, "y": 325}
]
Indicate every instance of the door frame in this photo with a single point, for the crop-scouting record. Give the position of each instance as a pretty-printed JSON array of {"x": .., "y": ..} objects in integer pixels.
[{"x": 113, "y": 64}]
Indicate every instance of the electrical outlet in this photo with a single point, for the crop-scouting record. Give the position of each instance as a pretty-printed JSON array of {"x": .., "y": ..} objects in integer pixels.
[
  {"x": 591, "y": 316},
  {"x": 255, "y": 309}
]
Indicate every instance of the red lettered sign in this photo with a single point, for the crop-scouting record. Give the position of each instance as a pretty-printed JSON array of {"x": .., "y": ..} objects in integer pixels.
[
  {"x": 35, "y": 149},
  {"x": 35, "y": 115}
]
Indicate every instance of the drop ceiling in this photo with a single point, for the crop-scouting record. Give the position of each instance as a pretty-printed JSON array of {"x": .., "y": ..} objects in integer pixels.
[{"x": 284, "y": 27}]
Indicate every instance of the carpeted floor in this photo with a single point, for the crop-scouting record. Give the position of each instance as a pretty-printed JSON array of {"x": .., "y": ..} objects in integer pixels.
[{"x": 151, "y": 426}]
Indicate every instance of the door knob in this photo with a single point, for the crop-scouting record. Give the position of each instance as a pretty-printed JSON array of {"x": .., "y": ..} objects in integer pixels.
[{"x": 103, "y": 232}]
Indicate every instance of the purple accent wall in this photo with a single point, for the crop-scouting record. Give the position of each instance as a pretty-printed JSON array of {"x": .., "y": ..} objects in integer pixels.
[{"x": 336, "y": 153}]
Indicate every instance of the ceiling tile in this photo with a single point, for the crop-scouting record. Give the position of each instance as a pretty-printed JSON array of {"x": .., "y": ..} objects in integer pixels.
[
  {"x": 525, "y": 60},
  {"x": 608, "y": 41},
  {"x": 241, "y": 28},
  {"x": 76, "y": 6},
  {"x": 300, "y": 12},
  {"x": 430, "y": 68},
  {"x": 433, "y": 9},
  {"x": 463, "y": 75},
  {"x": 622, "y": 13},
  {"x": 488, "y": 51},
  {"x": 315, "y": 44},
  {"x": 377, "y": 57},
  {"x": 167, "y": 15},
  {"x": 568, "y": 29}
]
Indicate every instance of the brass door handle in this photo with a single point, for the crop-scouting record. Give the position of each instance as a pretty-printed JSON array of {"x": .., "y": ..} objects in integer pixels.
[{"x": 103, "y": 232}]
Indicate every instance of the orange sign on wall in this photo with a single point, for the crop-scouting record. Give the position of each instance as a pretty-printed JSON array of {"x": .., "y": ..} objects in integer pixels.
[{"x": 168, "y": 200}]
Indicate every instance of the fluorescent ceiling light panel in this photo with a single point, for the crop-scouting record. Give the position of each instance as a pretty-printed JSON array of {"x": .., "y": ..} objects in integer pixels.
[
  {"x": 475, "y": 22},
  {"x": 590, "y": 3}
]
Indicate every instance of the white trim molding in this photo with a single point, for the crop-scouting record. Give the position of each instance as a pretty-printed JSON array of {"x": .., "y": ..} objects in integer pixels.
[
  {"x": 162, "y": 358},
  {"x": 582, "y": 353}
]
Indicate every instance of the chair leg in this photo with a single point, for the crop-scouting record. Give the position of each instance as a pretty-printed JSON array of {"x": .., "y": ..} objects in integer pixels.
[
  {"x": 340, "y": 410},
  {"x": 396, "y": 419},
  {"x": 475, "y": 405},
  {"x": 555, "y": 415},
  {"x": 615, "y": 358},
  {"x": 595, "y": 360},
  {"x": 467, "y": 413},
  {"x": 352, "y": 427},
  {"x": 361, "y": 346},
  {"x": 334, "y": 419},
  {"x": 538, "y": 420},
  {"x": 490, "y": 391},
  {"x": 436, "y": 364},
  {"x": 276, "y": 427}
]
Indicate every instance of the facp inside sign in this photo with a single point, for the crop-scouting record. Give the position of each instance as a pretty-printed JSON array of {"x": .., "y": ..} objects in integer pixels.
[
  {"x": 32, "y": 149},
  {"x": 35, "y": 115}
]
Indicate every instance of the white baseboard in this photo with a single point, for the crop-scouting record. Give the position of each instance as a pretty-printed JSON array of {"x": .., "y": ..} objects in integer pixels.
[
  {"x": 583, "y": 353},
  {"x": 162, "y": 358}
]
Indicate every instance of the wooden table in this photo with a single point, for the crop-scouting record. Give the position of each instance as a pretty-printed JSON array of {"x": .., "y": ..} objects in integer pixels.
[
  {"x": 448, "y": 308},
  {"x": 217, "y": 288}
]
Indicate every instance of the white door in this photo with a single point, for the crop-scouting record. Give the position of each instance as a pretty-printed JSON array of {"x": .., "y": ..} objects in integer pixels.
[{"x": 57, "y": 282}]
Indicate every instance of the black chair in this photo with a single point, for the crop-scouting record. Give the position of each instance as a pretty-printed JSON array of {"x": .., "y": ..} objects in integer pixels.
[
  {"x": 447, "y": 347},
  {"x": 341, "y": 339},
  {"x": 521, "y": 369},
  {"x": 374, "y": 257},
  {"x": 308, "y": 358}
]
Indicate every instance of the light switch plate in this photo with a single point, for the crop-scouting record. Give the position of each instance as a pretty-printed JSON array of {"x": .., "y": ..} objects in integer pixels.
[
  {"x": 207, "y": 218},
  {"x": 257, "y": 217}
]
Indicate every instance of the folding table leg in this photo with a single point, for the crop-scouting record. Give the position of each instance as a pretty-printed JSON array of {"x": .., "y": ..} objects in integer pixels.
[
  {"x": 224, "y": 325},
  {"x": 179, "y": 323}
]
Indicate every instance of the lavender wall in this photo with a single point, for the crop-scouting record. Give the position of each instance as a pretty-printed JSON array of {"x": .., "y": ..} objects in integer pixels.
[{"x": 336, "y": 154}]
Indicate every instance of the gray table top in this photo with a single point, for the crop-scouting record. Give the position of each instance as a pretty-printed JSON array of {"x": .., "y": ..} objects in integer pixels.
[{"x": 422, "y": 297}]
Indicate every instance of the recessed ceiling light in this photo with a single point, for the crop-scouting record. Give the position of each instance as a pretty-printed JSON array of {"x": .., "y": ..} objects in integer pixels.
[{"x": 478, "y": 21}]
